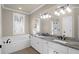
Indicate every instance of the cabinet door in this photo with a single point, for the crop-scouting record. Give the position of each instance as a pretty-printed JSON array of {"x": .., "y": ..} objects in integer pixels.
[
  {"x": 57, "y": 48},
  {"x": 45, "y": 46},
  {"x": 35, "y": 43},
  {"x": 73, "y": 51},
  {"x": 42, "y": 46},
  {"x": 39, "y": 45},
  {"x": 21, "y": 42},
  {"x": 51, "y": 50},
  {"x": 61, "y": 49},
  {"x": 32, "y": 42}
]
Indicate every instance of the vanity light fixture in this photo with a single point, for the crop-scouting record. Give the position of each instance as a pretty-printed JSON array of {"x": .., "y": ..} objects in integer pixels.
[
  {"x": 50, "y": 16},
  {"x": 56, "y": 13},
  {"x": 41, "y": 16},
  {"x": 62, "y": 11},
  {"x": 68, "y": 9},
  {"x": 45, "y": 16}
]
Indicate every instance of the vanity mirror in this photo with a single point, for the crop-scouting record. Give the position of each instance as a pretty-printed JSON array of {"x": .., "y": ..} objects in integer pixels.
[{"x": 56, "y": 26}]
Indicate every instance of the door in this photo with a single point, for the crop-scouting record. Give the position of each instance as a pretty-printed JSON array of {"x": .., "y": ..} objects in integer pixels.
[{"x": 67, "y": 26}]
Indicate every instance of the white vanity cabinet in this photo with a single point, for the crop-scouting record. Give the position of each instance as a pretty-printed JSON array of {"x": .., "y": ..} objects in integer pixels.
[
  {"x": 47, "y": 47},
  {"x": 34, "y": 42},
  {"x": 60, "y": 49},
  {"x": 57, "y": 48},
  {"x": 21, "y": 42},
  {"x": 39, "y": 44},
  {"x": 44, "y": 45},
  {"x": 51, "y": 48},
  {"x": 73, "y": 51},
  {"x": 17, "y": 43}
]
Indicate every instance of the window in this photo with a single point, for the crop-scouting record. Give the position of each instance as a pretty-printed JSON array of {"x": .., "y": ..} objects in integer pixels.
[{"x": 18, "y": 23}]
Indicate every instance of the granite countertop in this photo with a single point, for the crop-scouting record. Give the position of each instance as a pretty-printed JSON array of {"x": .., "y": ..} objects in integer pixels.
[{"x": 70, "y": 43}]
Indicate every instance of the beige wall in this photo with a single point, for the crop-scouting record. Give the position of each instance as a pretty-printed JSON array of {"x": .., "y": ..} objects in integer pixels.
[
  {"x": 7, "y": 23},
  {"x": 0, "y": 20},
  {"x": 33, "y": 16},
  {"x": 50, "y": 8}
]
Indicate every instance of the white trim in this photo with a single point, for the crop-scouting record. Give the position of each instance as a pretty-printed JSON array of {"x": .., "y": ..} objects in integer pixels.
[
  {"x": 37, "y": 8},
  {"x": 14, "y": 10},
  {"x": 23, "y": 11},
  {"x": 31, "y": 11}
]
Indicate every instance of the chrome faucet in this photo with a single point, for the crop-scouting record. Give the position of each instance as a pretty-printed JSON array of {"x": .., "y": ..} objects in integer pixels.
[
  {"x": 61, "y": 37},
  {"x": 8, "y": 41}
]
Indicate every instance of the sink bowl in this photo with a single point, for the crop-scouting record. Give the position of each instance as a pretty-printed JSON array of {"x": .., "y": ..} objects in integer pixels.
[
  {"x": 60, "y": 41},
  {"x": 74, "y": 43}
]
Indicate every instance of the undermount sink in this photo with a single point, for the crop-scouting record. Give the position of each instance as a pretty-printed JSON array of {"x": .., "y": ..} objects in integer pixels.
[
  {"x": 74, "y": 43},
  {"x": 60, "y": 41}
]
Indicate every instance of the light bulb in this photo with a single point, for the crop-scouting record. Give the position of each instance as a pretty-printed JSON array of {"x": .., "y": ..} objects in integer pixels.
[
  {"x": 41, "y": 16},
  {"x": 47, "y": 15},
  {"x": 56, "y": 13},
  {"x": 68, "y": 9},
  {"x": 44, "y": 17},
  {"x": 62, "y": 11},
  {"x": 19, "y": 8},
  {"x": 50, "y": 16}
]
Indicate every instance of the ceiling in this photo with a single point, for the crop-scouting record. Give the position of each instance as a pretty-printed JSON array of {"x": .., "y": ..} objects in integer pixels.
[{"x": 28, "y": 8}]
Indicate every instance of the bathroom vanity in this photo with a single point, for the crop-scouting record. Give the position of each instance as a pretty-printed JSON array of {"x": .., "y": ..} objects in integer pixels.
[{"x": 52, "y": 45}]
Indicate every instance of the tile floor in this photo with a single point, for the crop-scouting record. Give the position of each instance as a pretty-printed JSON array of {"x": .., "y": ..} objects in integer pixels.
[{"x": 28, "y": 50}]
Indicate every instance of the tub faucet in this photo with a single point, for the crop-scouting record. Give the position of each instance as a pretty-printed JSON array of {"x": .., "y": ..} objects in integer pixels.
[
  {"x": 63, "y": 37},
  {"x": 8, "y": 41}
]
